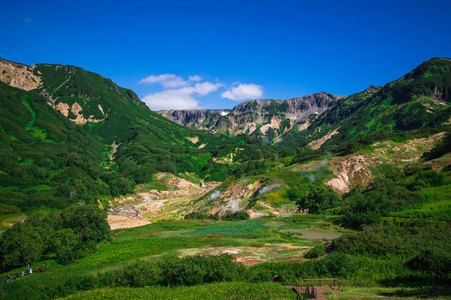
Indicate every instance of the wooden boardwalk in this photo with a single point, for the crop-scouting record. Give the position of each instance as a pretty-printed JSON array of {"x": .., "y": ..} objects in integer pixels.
[
  {"x": 319, "y": 289},
  {"x": 322, "y": 289}
]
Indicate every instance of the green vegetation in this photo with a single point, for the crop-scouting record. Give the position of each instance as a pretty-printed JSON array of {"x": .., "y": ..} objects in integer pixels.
[
  {"x": 229, "y": 290},
  {"x": 398, "y": 194},
  {"x": 68, "y": 235},
  {"x": 402, "y": 107},
  {"x": 318, "y": 199},
  {"x": 381, "y": 255},
  {"x": 48, "y": 160}
]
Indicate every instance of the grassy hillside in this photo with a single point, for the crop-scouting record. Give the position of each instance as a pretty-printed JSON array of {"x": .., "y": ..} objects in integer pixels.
[{"x": 81, "y": 138}]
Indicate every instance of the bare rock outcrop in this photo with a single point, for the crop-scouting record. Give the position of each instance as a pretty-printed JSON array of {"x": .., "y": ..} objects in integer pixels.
[{"x": 19, "y": 75}]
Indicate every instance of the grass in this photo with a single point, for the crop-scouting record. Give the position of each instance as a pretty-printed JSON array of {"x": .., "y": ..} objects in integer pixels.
[
  {"x": 436, "y": 207},
  {"x": 360, "y": 293},
  {"x": 235, "y": 290},
  {"x": 39, "y": 133},
  {"x": 7, "y": 221},
  {"x": 272, "y": 242}
]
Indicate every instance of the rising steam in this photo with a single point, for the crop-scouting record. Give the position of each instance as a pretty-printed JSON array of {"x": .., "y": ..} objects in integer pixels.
[
  {"x": 268, "y": 189},
  {"x": 215, "y": 195}
]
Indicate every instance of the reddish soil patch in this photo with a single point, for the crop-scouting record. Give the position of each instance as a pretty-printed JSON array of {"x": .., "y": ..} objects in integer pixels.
[{"x": 112, "y": 238}]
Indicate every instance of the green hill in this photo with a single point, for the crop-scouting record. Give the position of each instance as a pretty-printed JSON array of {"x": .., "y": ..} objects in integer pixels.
[
  {"x": 75, "y": 136},
  {"x": 419, "y": 102}
]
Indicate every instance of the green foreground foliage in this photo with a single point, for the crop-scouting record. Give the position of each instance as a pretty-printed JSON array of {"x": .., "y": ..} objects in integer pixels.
[
  {"x": 408, "y": 194},
  {"x": 68, "y": 235},
  {"x": 147, "y": 260},
  {"x": 238, "y": 290}
]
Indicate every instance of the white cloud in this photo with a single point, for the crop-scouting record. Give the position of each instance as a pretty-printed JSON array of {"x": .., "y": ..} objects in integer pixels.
[
  {"x": 170, "y": 80},
  {"x": 180, "y": 98},
  {"x": 195, "y": 78},
  {"x": 180, "y": 93},
  {"x": 170, "y": 99},
  {"x": 205, "y": 88},
  {"x": 166, "y": 80},
  {"x": 244, "y": 92}
]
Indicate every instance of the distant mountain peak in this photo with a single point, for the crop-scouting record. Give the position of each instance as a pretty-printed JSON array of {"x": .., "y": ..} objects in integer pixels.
[{"x": 267, "y": 119}]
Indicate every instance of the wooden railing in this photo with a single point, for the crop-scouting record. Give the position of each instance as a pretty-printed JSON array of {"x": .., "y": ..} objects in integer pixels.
[
  {"x": 303, "y": 291},
  {"x": 308, "y": 292}
]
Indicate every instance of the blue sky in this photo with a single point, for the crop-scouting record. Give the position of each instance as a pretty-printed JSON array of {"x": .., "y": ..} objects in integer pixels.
[{"x": 216, "y": 54}]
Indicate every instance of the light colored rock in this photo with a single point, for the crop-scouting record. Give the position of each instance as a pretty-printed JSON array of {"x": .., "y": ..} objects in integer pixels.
[
  {"x": 63, "y": 108},
  {"x": 19, "y": 75},
  {"x": 275, "y": 122},
  {"x": 101, "y": 109},
  {"x": 265, "y": 128},
  {"x": 76, "y": 108},
  {"x": 318, "y": 143},
  {"x": 193, "y": 139},
  {"x": 304, "y": 126}
]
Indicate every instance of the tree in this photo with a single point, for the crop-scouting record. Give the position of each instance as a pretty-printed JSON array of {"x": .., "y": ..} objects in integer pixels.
[
  {"x": 318, "y": 199},
  {"x": 64, "y": 243},
  {"x": 20, "y": 245},
  {"x": 89, "y": 222},
  {"x": 361, "y": 209},
  {"x": 70, "y": 234}
]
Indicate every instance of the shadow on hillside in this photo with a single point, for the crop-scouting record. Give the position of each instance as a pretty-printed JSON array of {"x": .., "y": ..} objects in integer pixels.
[
  {"x": 423, "y": 287},
  {"x": 428, "y": 292}
]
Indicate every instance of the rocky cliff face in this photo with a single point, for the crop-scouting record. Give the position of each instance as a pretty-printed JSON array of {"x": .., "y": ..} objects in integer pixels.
[
  {"x": 266, "y": 119},
  {"x": 78, "y": 107},
  {"x": 19, "y": 76},
  {"x": 189, "y": 117}
]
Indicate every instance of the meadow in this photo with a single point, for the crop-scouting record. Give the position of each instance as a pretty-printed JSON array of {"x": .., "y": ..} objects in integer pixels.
[{"x": 164, "y": 260}]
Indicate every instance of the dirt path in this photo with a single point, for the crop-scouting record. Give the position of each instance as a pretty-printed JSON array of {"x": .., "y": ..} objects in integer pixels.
[
  {"x": 328, "y": 251},
  {"x": 70, "y": 76},
  {"x": 112, "y": 238}
]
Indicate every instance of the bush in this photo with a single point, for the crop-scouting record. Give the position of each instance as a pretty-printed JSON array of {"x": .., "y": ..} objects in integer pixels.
[
  {"x": 69, "y": 234},
  {"x": 316, "y": 252},
  {"x": 318, "y": 199},
  {"x": 238, "y": 216},
  {"x": 8, "y": 209},
  {"x": 196, "y": 216}
]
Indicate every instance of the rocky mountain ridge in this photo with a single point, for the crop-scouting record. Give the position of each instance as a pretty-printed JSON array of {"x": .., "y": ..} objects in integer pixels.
[{"x": 266, "y": 119}]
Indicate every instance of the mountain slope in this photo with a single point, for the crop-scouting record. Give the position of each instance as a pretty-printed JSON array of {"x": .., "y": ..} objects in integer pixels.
[
  {"x": 418, "y": 100},
  {"x": 69, "y": 135}
]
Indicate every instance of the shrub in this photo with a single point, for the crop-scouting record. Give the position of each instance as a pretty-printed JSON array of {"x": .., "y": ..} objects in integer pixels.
[
  {"x": 8, "y": 209},
  {"x": 316, "y": 252},
  {"x": 318, "y": 199},
  {"x": 238, "y": 216}
]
